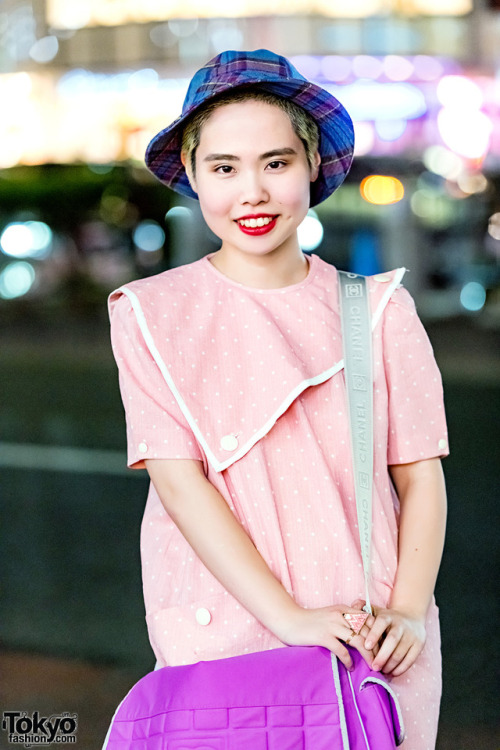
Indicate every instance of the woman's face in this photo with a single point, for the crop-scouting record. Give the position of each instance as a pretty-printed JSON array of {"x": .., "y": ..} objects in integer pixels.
[{"x": 252, "y": 178}]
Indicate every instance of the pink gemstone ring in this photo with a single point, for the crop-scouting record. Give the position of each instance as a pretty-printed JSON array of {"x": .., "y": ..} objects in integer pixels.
[{"x": 355, "y": 620}]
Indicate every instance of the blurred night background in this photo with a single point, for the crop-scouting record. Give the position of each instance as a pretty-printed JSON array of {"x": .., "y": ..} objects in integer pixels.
[{"x": 84, "y": 84}]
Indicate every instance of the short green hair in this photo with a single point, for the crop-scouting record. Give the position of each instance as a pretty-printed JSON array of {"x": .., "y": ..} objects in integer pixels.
[{"x": 302, "y": 123}]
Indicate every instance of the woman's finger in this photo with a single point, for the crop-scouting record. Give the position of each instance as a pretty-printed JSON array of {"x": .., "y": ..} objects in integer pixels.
[
  {"x": 358, "y": 643},
  {"x": 390, "y": 644},
  {"x": 397, "y": 656},
  {"x": 380, "y": 625},
  {"x": 358, "y": 604},
  {"x": 408, "y": 661},
  {"x": 340, "y": 652},
  {"x": 363, "y": 635}
]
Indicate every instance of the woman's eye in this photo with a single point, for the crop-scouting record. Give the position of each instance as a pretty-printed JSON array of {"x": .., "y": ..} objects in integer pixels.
[
  {"x": 276, "y": 164},
  {"x": 224, "y": 169}
]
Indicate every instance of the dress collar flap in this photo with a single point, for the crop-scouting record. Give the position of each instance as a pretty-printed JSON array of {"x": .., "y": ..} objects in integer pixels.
[{"x": 235, "y": 358}]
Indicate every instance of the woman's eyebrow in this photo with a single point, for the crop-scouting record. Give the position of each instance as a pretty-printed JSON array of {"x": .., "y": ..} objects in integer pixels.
[
  {"x": 221, "y": 157},
  {"x": 278, "y": 152},
  {"x": 268, "y": 155}
]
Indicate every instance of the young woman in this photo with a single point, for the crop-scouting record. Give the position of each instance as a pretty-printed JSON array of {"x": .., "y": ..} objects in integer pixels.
[{"x": 232, "y": 381}]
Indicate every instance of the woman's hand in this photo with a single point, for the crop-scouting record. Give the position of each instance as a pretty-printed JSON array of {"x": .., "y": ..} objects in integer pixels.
[
  {"x": 221, "y": 543},
  {"x": 328, "y": 628},
  {"x": 400, "y": 636}
]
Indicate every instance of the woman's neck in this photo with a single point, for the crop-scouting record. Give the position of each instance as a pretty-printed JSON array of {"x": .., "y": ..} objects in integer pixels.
[{"x": 270, "y": 271}]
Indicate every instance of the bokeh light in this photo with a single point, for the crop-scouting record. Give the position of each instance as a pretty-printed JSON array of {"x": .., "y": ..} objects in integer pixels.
[
  {"x": 442, "y": 161},
  {"x": 494, "y": 226},
  {"x": 183, "y": 27},
  {"x": 453, "y": 91},
  {"x": 382, "y": 190},
  {"x": 364, "y": 138},
  {"x": 45, "y": 50},
  {"x": 390, "y": 130},
  {"x": 473, "y": 296},
  {"x": 308, "y": 65},
  {"x": 225, "y": 35},
  {"x": 434, "y": 207},
  {"x": 366, "y": 66},
  {"x": 366, "y": 100},
  {"x": 336, "y": 68},
  {"x": 467, "y": 132},
  {"x": 163, "y": 36},
  {"x": 398, "y": 68},
  {"x": 16, "y": 279},
  {"x": 144, "y": 79},
  {"x": 66, "y": 15},
  {"x": 149, "y": 236},
  {"x": 427, "y": 68},
  {"x": 29, "y": 239},
  {"x": 472, "y": 183},
  {"x": 179, "y": 212},
  {"x": 310, "y": 231}
]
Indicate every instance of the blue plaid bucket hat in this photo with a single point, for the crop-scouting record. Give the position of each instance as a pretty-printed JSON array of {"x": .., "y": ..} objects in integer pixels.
[{"x": 234, "y": 69}]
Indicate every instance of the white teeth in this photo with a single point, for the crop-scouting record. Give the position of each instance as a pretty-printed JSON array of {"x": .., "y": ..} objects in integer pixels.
[{"x": 262, "y": 221}]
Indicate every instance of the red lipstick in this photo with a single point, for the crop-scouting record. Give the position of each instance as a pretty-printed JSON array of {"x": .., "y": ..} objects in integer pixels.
[{"x": 260, "y": 227}]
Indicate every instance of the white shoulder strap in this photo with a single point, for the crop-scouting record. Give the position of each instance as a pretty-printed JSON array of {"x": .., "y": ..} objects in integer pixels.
[{"x": 357, "y": 344}]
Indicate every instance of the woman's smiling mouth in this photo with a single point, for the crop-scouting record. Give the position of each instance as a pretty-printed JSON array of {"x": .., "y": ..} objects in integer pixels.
[{"x": 257, "y": 224}]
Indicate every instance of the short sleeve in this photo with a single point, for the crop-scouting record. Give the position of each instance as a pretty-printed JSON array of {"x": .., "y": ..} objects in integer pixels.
[
  {"x": 417, "y": 422},
  {"x": 156, "y": 427}
]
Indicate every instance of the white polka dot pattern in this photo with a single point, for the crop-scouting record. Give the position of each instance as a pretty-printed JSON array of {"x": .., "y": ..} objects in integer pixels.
[
  {"x": 417, "y": 428},
  {"x": 237, "y": 356}
]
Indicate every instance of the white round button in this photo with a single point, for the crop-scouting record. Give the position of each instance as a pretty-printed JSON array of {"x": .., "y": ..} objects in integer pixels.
[
  {"x": 143, "y": 448},
  {"x": 442, "y": 443},
  {"x": 382, "y": 277},
  {"x": 229, "y": 443},
  {"x": 203, "y": 616}
]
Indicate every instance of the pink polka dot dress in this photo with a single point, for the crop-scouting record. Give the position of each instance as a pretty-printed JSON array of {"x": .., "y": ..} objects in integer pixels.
[{"x": 251, "y": 383}]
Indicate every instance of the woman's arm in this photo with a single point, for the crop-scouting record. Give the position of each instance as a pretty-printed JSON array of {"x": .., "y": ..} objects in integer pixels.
[
  {"x": 208, "y": 524},
  {"x": 421, "y": 490}
]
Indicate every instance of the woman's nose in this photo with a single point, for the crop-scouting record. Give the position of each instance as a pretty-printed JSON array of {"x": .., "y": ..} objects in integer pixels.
[{"x": 253, "y": 190}]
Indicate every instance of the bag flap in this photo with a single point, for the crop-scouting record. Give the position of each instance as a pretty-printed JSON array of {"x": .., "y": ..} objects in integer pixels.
[
  {"x": 397, "y": 715},
  {"x": 381, "y": 716},
  {"x": 296, "y": 676},
  {"x": 235, "y": 358}
]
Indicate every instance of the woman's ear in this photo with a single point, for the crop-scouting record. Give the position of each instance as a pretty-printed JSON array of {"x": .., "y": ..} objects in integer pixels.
[
  {"x": 186, "y": 163},
  {"x": 315, "y": 166}
]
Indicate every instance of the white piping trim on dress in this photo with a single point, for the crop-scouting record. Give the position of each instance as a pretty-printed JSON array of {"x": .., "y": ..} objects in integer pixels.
[
  {"x": 300, "y": 388},
  {"x": 340, "y": 701},
  {"x": 317, "y": 380},
  {"x": 400, "y": 272},
  {"x": 136, "y": 306}
]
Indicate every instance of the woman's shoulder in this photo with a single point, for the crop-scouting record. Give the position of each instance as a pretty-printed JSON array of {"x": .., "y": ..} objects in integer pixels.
[
  {"x": 172, "y": 289},
  {"x": 181, "y": 277},
  {"x": 400, "y": 303},
  {"x": 383, "y": 289},
  {"x": 387, "y": 293}
]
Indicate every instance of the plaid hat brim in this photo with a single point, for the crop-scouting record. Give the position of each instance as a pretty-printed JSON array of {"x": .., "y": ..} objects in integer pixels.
[{"x": 233, "y": 70}]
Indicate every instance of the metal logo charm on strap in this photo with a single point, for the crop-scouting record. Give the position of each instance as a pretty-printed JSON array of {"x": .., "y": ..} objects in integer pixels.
[{"x": 357, "y": 343}]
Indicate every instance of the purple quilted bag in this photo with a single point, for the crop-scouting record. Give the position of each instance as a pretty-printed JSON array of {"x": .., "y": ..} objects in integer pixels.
[{"x": 293, "y": 698}]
